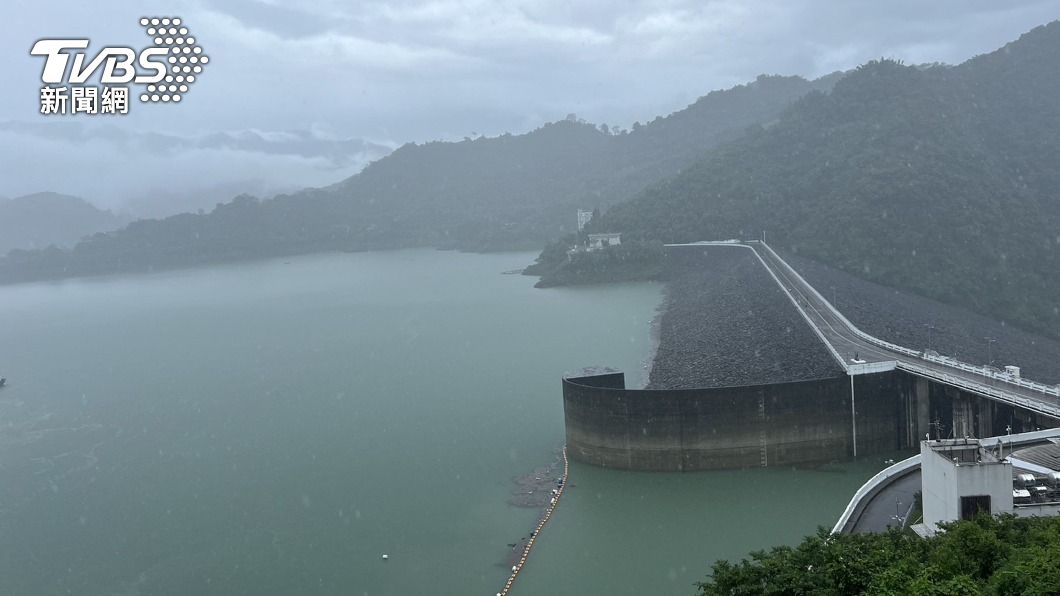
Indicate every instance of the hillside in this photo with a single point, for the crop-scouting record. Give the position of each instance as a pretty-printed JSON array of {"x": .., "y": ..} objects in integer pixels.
[
  {"x": 511, "y": 191},
  {"x": 43, "y": 219},
  {"x": 944, "y": 181}
]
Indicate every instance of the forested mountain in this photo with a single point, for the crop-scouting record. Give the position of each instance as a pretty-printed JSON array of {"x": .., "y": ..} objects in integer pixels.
[
  {"x": 944, "y": 180},
  {"x": 512, "y": 191},
  {"x": 43, "y": 219}
]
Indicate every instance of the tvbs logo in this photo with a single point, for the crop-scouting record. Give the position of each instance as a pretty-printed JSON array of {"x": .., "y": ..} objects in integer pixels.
[{"x": 165, "y": 70}]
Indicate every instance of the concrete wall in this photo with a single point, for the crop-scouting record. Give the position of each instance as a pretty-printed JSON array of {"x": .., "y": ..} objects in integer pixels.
[
  {"x": 943, "y": 483},
  {"x": 799, "y": 422},
  {"x": 1037, "y": 510},
  {"x": 728, "y": 427}
]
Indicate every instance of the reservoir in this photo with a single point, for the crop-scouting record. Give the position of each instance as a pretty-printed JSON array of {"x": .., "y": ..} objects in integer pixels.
[{"x": 274, "y": 428}]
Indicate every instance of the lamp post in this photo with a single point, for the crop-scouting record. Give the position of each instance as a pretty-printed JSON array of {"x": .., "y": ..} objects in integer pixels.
[
  {"x": 898, "y": 512},
  {"x": 989, "y": 350}
]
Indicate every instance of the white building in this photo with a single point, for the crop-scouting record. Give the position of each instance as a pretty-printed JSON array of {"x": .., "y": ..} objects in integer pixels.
[
  {"x": 602, "y": 241},
  {"x": 959, "y": 479},
  {"x": 583, "y": 218}
]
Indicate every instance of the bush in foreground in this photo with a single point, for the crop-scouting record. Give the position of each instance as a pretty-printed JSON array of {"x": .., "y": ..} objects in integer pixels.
[{"x": 1002, "y": 555}]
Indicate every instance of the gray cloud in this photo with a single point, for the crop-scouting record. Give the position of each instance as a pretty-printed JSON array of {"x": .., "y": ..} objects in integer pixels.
[
  {"x": 417, "y": 70},
  {"x": 153, "y": 174}
]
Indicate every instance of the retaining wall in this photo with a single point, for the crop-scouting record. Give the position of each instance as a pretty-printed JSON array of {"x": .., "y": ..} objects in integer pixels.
[{"x": 728, "y": 427}]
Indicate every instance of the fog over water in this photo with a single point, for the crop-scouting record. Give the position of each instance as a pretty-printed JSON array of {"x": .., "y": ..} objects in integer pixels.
[
  {"x": 301, "y": 327},
  {"x": 274, "y": 428}
]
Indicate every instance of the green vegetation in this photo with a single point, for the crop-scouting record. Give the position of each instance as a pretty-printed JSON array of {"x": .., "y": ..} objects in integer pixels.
[
  {"x": 507, "y": 192},
  {"x": 1005, "y": 555},
  {"x": 628, "y": 261},
  {"x": 941, "y": 180}
]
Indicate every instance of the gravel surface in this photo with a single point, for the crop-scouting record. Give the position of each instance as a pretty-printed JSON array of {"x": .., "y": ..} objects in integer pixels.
[
  {"x": 918, "y": 323},
  {"x": 727, "y": 323}
]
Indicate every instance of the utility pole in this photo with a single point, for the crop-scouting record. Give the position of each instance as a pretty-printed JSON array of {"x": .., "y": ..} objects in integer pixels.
[{"x": 853, "y": 419}]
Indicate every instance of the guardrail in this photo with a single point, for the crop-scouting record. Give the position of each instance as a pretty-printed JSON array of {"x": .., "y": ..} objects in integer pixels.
[
  {"x": 1053, "y": 390},
  {"x": 806, "y": 317},
  {"x": 988, "y": 390},
  {"x": 873, "y": 486},
  {"x": 994, "y": 374},
  {"x": 876, "y": 483}
]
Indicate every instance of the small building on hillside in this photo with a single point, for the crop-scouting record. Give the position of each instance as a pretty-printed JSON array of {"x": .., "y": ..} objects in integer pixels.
[
  {"x": 583, "y": 218},
  {"x": 602, "y": 241}
]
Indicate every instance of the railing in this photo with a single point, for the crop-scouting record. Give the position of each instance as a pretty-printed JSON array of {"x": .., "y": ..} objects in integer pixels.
[
  {"x": 1053, "y": 390},
  {"x": 988, "y": 390},
  {"x": 994, "y": 374},
  {"x": 870, "y": 339},
  {"x": 877, "y": 482},
  {"x": 873, "y": 486},
  {"x": 769, "y": 270}
]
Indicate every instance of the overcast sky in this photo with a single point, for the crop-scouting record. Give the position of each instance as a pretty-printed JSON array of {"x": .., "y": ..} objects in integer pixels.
[{"x": 301, "y": 93}]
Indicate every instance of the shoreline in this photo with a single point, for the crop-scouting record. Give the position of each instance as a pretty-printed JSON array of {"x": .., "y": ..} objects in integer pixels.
[{"x": 654, "y": 337}]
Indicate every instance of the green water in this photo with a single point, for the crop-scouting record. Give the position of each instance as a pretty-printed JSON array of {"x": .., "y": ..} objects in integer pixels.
[
  {"x": 639, "y": 534},
  {"x": 273, "y": 428}
]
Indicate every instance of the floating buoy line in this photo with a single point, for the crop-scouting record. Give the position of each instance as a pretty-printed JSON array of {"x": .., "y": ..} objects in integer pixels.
[{"x": 557, "y": 492}]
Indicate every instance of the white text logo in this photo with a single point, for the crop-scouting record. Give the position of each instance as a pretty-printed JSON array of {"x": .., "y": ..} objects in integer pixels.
[{"x": 166, "y": 70}]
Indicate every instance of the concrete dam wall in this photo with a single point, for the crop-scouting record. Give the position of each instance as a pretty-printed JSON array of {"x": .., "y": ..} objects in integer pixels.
[
  {"x": 798, "y": 422},
  {"x": 729, "y": 427},
  {"x": 740, "y": 379}
]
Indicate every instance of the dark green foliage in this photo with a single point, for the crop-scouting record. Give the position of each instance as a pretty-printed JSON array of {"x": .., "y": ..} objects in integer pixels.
[
  {"x": 507, "y": 192},
  {"x": 627, "y": 261},
  {"x": 554, "y": 255},
  {"x": 944, "y": 181},
  {"x": 1004, "y": 555}
]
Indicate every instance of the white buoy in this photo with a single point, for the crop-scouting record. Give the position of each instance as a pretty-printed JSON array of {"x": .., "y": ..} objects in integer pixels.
[{"x": 386, "y": 557}]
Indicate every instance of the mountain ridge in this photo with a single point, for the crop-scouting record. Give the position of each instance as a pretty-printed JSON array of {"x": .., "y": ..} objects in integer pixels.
[
  {"x": 39, "y": 220},
  {"x": 504, "y": 192},
  {"x": 942, "y": 180}
]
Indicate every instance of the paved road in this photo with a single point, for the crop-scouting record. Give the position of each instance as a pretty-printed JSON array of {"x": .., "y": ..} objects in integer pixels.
[
  {"x": 847, "y": 344},
  {"x": 889, "y": 506}
]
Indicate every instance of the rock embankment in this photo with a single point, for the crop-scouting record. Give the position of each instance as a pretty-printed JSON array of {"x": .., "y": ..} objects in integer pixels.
[
  {"x": 727, "y": 323},
  {"x": 919, "y": 323}
]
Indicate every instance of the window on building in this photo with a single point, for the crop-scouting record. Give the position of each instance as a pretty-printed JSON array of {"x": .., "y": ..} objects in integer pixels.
[{"x": 970, "y": 506}]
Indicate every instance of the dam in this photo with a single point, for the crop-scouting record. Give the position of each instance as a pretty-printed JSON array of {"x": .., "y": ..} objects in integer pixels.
[{"x": 882, "y": 398}]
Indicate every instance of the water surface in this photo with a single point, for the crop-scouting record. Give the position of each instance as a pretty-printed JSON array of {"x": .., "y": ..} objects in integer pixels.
[{"x": 275, "y": 427}]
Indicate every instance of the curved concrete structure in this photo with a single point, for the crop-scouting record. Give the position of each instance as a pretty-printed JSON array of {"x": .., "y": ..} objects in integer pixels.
[
  {"x": 874, "y": 493},
  {"x": 888, "y": 399},
  {"x": 726, "y": 427}
]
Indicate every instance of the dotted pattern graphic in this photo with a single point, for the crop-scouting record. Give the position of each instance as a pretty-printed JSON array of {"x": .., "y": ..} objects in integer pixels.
[{"x": 186, "y": 58}]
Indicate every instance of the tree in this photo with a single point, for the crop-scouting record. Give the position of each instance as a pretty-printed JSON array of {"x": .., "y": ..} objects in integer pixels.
[{"x": 986, "y": 555}]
